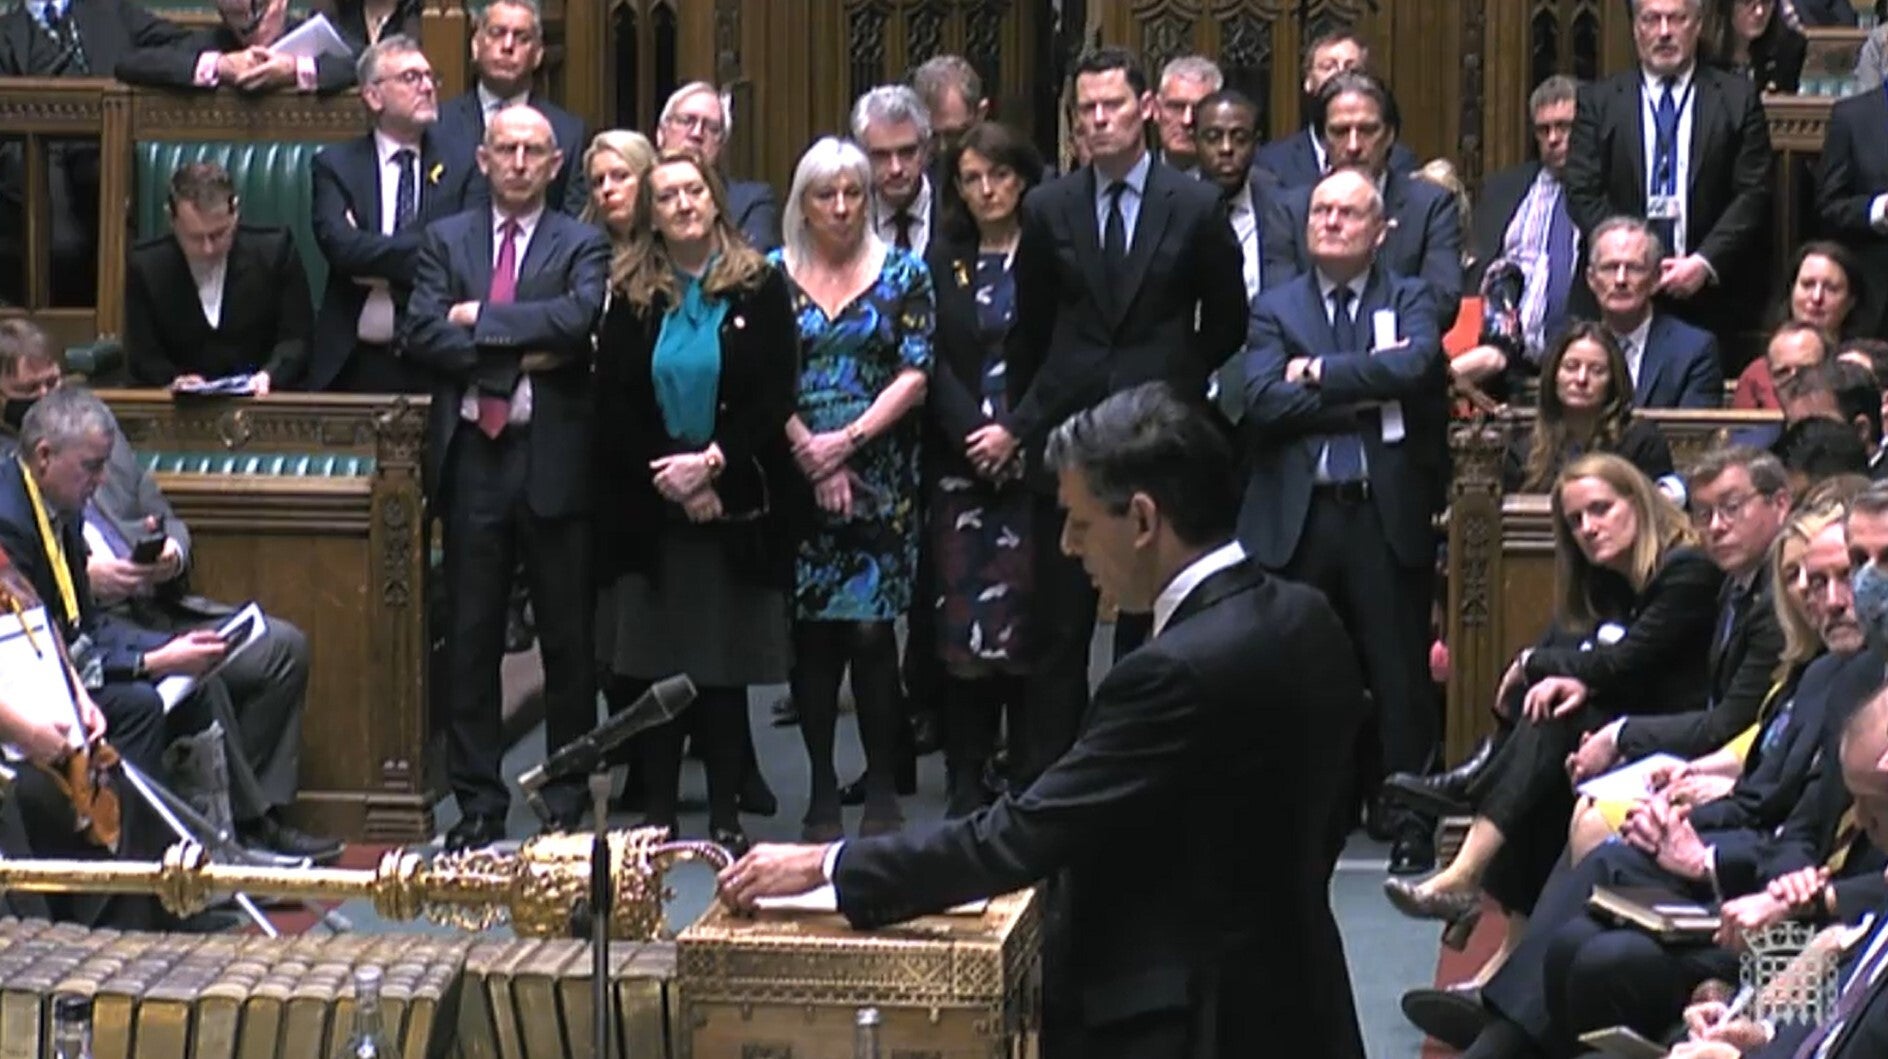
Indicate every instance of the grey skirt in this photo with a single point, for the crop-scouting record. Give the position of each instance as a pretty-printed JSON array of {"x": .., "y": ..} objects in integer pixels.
[{"x": 696, "y": 617}]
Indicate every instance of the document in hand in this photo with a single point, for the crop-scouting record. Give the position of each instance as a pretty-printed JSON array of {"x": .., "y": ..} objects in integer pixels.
[
  {"x": 36, "y": 671},
  {"x": 1628, "y": 783},
  {"x": 240, "y": 631},
  {"x": 227, "y": 386},
  {"x": 311, "y": 40},
  {"x": 826, "y": 899}
]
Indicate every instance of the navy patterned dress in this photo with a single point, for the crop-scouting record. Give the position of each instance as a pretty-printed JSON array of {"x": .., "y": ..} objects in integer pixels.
[{"x": 860, "y": 568}]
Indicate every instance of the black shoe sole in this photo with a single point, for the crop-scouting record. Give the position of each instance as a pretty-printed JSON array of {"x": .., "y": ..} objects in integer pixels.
[
  {"x": 1455, "y": 1018},
  {"x": 1422, "y": 799}
]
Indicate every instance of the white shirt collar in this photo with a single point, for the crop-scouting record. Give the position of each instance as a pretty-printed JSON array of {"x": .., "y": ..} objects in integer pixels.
[
  {"x": 1241, "y": 199},
  {"x": 1135, "y": 178},
  {"x": 488, "y": 99},
  {"x": 386, "y": 146},
  {"x": 1654, "y": 85},
  {"x": 1317, "y": 147},
  {"x": 1326, "y": 285},
  {"x": 920, "y": 207},
  {"x": 1189, "y": 578},
  {"x": 527, "y": 222}
]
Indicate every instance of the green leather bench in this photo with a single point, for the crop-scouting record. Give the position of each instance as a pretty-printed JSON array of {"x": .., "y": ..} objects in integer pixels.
[
  {"x": 272, "y": 464},
  {"x": 272, "y": 181}
]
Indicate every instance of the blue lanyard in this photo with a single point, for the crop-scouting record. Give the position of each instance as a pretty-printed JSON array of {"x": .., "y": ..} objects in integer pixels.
[{"x": 1665, "y": 176}]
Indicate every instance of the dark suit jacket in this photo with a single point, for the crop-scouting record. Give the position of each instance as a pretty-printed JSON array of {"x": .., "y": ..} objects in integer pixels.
[
  {"x": 1740, "y": 671},
  {"x": 349, "y": 18},
  {"x": 754, "y": 399},
  {"x": 1854, "y": 171},
  {"x": 756, "y": 213},
  {"x": 1283, "y": 419},
  {"x": 1502, "y": 194},
  {"x": 461, "y": 129},
  {"x": 1295, "y": 162},
  {"x": 265, "y": 319},
  {"x": 1728, "y": 200},
  {"x": 1179, "y": 314},
  {"x": 346, "y": 179},
  {"x": 1782, "y": 758},
  {"x": 1681, "y": 367},
  {"x": 109, "y": 29},
  {"x": 953, "y": 398},
  {"x": 1425, "y": 242},
  {"x": 174, "y": 65},
  {"x": 1641, "y": 444},
  {"x": 559, "y": 294},
  {"x": 1242, "y": 930},
  {"x": 118, "y": 643}
]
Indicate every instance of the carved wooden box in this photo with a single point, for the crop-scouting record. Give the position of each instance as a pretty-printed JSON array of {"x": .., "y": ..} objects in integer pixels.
[{"x": 788, "y": 985}]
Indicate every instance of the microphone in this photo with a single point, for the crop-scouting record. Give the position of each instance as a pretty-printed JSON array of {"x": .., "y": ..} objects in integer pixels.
[{"x": 662, "y": 703}]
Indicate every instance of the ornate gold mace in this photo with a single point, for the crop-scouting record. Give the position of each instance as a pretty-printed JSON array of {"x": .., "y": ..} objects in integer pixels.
[{"x": 534, "y": 889}]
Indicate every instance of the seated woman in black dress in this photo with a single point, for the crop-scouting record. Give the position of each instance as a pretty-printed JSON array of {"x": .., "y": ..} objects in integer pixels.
[
  {"x": 1585, "y": 406},
  {"x": 1635, "y": 605},
  {"x": 695, "y": 382}
]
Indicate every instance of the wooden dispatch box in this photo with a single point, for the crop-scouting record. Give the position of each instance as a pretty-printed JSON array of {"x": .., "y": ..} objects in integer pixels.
[{"x": 788, "y": 985}]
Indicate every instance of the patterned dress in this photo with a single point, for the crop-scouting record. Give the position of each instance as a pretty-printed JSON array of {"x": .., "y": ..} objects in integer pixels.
[
  {"x": 860, "y": 568},
  {"x": 980, "y": 529}
]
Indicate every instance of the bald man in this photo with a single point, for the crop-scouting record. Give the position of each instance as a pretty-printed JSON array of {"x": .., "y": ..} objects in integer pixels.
[{"x": 502, "y": 310}]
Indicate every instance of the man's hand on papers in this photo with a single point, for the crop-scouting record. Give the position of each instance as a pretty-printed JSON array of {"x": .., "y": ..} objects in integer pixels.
[
  {"x": 192, "y": 654},
  {"x": 274, "y": 71},
  {"x": 1599, "y": 751},
  {"x": 232, "y": 66},
  {"x": 771, "y": 870}
]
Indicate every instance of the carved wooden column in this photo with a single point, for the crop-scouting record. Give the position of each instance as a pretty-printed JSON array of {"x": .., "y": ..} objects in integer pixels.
[
  {"x": 586, "y": 88},
  {"x": 1475, "y": 636},
  {"x": 445, "y": 37},
  {"x": 114, "y": 195}
]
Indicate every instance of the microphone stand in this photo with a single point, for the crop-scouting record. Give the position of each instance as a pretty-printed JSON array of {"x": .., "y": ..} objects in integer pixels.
[{"x": 601, "y": 901}]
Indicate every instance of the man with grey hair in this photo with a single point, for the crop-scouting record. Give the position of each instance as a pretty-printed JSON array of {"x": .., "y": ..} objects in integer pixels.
[
  {"x": 372, "y": 196},
  {"x": 1209, "y": 952},
  {"x": 1183, "y": 83},
  {"x": 507, "y": 49},
  {"x": 1673, "y": 364},
  {"x": 953, "y": 93},
  {"x": 1686, "y": 146},
  {"x": 893, "y": 128},
  {"x": 697, "y": 118},
  {"x": 1522, "y": 219}
]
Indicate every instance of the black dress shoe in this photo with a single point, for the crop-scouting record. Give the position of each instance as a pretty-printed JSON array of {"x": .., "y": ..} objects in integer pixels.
[
  {"x": 732, "y": 839},
  {"x": 1444, "y": 794},
  {"x": 478, "y": 829},
  {"x": 905, "y": 784},
  {"x": 1413, "y": 852},
  {"x": 927, "y": 735},
  {"x": 786, "y": 714},
  {"x": 1383, "y": 821},
  {"x": 755, "y": 796},
  {"x": 1453, "y": 1014},
  {"x": 269, "y": 833}
]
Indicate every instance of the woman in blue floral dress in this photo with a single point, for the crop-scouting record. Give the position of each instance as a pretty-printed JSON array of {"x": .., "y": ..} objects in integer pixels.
[{"x": 864, "y": 312}]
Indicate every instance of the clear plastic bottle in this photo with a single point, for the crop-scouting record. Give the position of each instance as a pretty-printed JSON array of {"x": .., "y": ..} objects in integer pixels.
[
  {"x": 71, "y": 1026},
  {"x": 370, "y": 1039},
  {"x": 865, "y": 1043}
]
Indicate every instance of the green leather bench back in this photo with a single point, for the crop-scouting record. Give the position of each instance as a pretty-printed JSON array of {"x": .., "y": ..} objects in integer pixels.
[
  {"x": 271, "y": 464},
  {"x": 272, "y": 181}
]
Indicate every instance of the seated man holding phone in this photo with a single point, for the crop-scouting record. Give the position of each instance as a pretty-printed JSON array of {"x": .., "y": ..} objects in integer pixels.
[{"x": 138, "y": 554}]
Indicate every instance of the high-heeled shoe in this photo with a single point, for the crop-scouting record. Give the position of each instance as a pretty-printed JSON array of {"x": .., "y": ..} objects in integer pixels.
[
  {"x": 1458, "y": 911},
  {"x": 1445, "y": 793}
]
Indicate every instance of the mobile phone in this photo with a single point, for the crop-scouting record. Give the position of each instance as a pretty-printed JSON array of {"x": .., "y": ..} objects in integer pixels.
[{"x": 148, "y": 550}]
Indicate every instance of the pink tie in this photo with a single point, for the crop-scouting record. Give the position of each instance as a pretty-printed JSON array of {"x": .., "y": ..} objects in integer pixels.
[{"x": 494, "y": 411}]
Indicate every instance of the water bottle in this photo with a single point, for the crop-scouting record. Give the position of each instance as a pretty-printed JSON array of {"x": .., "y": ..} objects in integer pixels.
[
  {"x": 369, "y": 1040},
  {"x": 71, "y": 1026},
  {"x": 865, "y": 1034}
]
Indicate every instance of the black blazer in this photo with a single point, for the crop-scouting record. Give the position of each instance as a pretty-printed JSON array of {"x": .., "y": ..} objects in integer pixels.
[
  {"x": 118, "y": 642},
  {"x": 756, "y": 213},
  {"x": 109, "y": 29},
  {"x": 1777, "y": 769},
  {"x": 1284, "y": 421},
  {"x": 461, "y": 128},
  {"x": 265, "y": 318},
  {"x": 346, "y": 189},
  {"x": 1502, "y": 194},
  {"x": 560, "y": 289},
  {"x": 1739, "y": 674},
  {"x": 1854, "y": 171},
  {"x": 349, "y": 18},
  {"x": 953, "y": 399},
  {"x": 1179, "y": 314},
  {"x": 1239, "y": 930},
  {"x": 1661, "y": 657},
  {"x": 1641, "y": 443},
  {"x": 755, "y": 397},
  {"x": 1424, "y": 241},
  {"x": 1294, "y": 161},
  {"x": 174, "y": 65},
  {"x": 1728, "y": 200}
]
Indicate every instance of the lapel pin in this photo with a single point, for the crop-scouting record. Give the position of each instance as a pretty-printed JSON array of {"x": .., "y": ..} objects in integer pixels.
[
  {"x": 963, "y": 273},
  {"x": 438, "y": 170}
]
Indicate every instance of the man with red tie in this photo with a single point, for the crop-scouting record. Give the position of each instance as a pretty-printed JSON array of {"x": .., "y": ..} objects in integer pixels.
[{"x": 503, "y": 305}]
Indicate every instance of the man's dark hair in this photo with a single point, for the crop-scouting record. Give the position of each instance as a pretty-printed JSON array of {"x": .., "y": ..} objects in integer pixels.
[
  {"x": 1857, "y": 394},
  {"x": 1325, "y": 40},
  {"x": 205, "y": 185},
  {"x": 1112, "y": 57},
  {"x": 1820, "y": 447},
  {"x": 1360, "y": 83},
  {"x": 1150, "y": 440},
  {"x": 1227, "y": 97}
]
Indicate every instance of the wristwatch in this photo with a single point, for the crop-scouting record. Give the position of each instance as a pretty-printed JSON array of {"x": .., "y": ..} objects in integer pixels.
[{"x": 715, "y": 461}]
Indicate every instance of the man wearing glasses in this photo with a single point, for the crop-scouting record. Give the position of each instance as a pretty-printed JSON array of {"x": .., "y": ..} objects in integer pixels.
[
  {"x": 373, "y": 195},
  {"x": 237, "y": 53},
  {"x": 507, "y": 47}
]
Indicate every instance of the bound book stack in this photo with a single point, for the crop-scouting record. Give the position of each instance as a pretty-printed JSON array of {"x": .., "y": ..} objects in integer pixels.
[
  {"x": 1659, "y": 913},
  {"x": 532, "y": 999}
]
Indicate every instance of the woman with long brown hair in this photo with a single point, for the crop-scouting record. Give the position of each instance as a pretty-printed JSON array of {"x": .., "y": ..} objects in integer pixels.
[{"x": 1585, "y": 406}]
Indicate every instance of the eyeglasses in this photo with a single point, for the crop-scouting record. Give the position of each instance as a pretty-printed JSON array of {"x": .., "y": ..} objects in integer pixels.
[
  {"x": 1730, "y": 510},
  {"x": 411, "y": 78},
  {"x": 695, "y": 123},
  {"x": 500, "y": 34}
]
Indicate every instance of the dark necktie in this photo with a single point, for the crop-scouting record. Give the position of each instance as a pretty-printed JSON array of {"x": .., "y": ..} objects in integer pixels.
[
  {"x": 1114, "y": 237},
  {"x": 406, "y": 196},
  {"x": 1857, "y": 990},
  {"x": 494, "y": 410},
  {"x": 65, "y": 31},
  {"x": 1665, "y": 158},
  {"x": 1560, "y": 259},
  {"x": 1344, "y": 453},
  {"x": 903, "y": 221}
]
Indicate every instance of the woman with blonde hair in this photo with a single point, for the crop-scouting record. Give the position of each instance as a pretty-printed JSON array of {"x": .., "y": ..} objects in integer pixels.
[
  {"x": 615, "y": 163},
  {"x": 695, "y": 374},
  {"x": 1635, "y": 604}
]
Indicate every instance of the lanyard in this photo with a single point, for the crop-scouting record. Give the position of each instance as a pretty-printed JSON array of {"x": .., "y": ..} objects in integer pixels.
[
  {"x": 1665, "y": 178},
  {"x": 61, "y": 573}
]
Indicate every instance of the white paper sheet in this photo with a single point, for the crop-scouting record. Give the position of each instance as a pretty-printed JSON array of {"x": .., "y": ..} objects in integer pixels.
[
  {"x": 311, "y": 40},
  {"x": 176, "y": 688},
  {"x": 826, "y": 899},
  {"x": 35, "y": 671},
  {"x": 1628, "y": 783}
]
